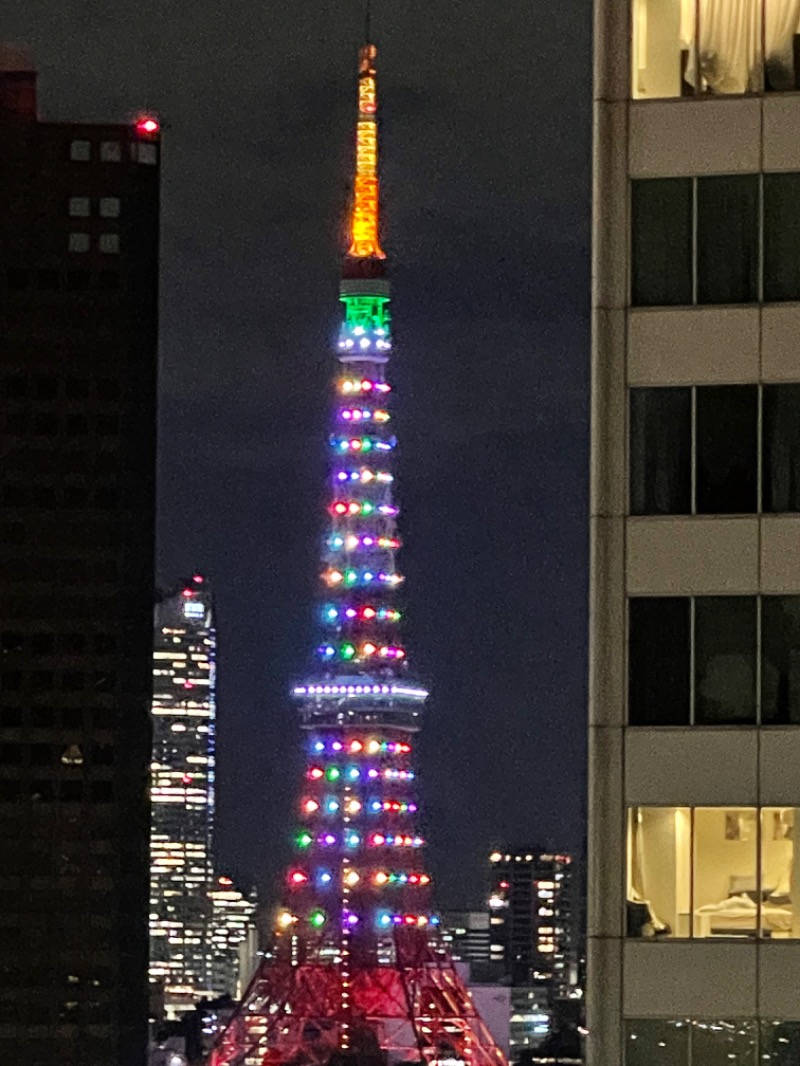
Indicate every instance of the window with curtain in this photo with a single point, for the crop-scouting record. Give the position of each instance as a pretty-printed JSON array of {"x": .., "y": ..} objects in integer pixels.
[
  {"x": 780, "y": 660},
  {"x": 661, "y": 250},
  {"x": 781, "y": 236},
  {"x": 661, "y": 451},
  {"x": 713, "y": 47},
  {"x": 711, "y": 872},
  {"x": 725, "y": 660},
  {"x": 727, "y": 239},
  {"x": 781, "y": 448},
  {"x": 727, "y": 449},
  {"x": 658, "y": 660}
]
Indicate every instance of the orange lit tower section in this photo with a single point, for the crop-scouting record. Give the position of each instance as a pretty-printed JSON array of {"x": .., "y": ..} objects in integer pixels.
[
  {"x": 364, "y": 240},
  {"x": 357, "y": 968}
]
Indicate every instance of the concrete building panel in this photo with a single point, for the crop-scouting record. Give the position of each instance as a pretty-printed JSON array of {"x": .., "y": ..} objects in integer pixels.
[
  {"x": 682, "y": 556},
  {"x": 678, "y": 346}
]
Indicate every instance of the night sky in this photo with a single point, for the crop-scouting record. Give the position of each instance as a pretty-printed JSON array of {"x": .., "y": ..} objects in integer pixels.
[{"x": 485, "y": 164}]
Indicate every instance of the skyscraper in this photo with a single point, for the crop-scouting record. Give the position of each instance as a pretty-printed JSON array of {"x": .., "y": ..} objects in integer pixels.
[
  {"x": 535, "y": 936},
  {"x": 182, "y": 793},
  {"x": 694, "y": 917},
  {"x": 79, "y": 207},
  {"x": 357, "y": 970}
]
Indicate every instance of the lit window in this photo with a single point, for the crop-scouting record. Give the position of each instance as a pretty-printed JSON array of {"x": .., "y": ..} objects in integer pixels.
[
  {"x": 109, "y": 207},
  {"x": 728, "y": 874},
  {"x": 110, "y": 152},
  {"x": 109, "y": 243},
  {"x": 79, "y": 206},
  {"x": 79, "y": 242},
  {"x": 80, "y": 151}
]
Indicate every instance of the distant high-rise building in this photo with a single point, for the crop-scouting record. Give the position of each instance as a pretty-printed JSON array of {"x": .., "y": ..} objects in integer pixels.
[
  {"x": 231, "y": 947},
  {"x": 197, "y": 920},
  {"x": 182, "y": 793},
  {"x": 79, "y": 214},
  {"x": 535, "y": 926}
]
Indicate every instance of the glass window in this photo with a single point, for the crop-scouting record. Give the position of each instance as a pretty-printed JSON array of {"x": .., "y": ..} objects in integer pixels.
[
  {"x": 725, "y": 1042},
  {"x": 780, "y": 660},
  {"x": 780, "y": 1042},
  {"x": 658, "y": 661},
  {"x": 725, "y": 660},
  {"x": 727, "y": 449},
  {"x": 662, "y": 30},
  {"x": 684, "y": 47},
  {"x": 782, "y": 235},
  {"x": 110, "y": 151},
  {"x": 79, "y": 242},
  {"x": 658, "y": 899},
  {"x": 109, "y": 207},
  {"x": 711, "y": 872},
  {"x": 661, "y": 212},
  {"x": 782, "y": 26},
  {"x": 79, "y": 206},
  {"x": 80, "y": 151},
  {"x": 727, "y": 239},
  {"x": 781, "y": 449},
  {"x": 779, "y": 874},
  {"x": 725, "y": 876},
  {"x": 109, "y": 242},
  {"x": 661, "y": 451},
  {"x": 657, "y": 1042}
]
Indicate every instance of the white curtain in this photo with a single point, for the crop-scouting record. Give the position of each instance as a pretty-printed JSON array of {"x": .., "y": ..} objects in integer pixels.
[{"x": 729, "y": 43}]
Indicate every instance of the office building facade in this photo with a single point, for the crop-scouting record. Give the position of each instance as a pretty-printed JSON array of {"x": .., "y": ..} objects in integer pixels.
[
  {"x": 79, "y": 212},
  {"x": 694, "y": 917}
]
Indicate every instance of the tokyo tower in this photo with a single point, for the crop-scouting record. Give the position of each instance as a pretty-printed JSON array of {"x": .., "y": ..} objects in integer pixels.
[{"x": 357, "y": 972}]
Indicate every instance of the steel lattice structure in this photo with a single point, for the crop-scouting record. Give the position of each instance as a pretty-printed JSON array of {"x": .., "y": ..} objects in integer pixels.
[{"x": 357, "y": 970}]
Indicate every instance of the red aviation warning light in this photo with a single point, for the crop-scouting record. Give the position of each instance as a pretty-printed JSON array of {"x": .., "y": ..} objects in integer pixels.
[{"x": 147, "y": 126}]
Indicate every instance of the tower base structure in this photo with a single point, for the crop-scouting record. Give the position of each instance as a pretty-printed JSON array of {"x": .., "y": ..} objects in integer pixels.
[{"x": 315, "y": 1013}]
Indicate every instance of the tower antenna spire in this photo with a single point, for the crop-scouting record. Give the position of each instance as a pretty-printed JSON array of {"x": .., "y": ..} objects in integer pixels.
[
  {"x": 364, "y": 240},
  {"x": 368, "y": 23}
]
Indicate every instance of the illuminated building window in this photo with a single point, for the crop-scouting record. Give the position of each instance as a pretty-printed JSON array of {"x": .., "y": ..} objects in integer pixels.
[
  {"x": 110, "y": 152},
  {"x": 78, "y": 242},
  {"x": 79, "y": 206},
  {"x": 109, "y": 207},
  {"x": 109, "y": 243},
  {"x": 80, "y": 151},
  {"x": 728, "y": 872}
]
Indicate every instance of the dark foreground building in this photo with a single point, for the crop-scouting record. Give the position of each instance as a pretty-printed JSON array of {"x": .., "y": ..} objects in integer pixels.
[{"x": 78, "y": 324}]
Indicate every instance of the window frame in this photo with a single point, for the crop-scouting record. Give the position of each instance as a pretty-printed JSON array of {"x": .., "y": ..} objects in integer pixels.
[
  {"x": 765, "y": 445},
  {"x": 759, "y": 663},
  {"x": 764, "y": 180},
  {"x": 758, "y": 932}
]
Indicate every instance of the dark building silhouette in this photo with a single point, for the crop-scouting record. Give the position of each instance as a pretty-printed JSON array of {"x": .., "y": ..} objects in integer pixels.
[{"x": 78, "y": 322}]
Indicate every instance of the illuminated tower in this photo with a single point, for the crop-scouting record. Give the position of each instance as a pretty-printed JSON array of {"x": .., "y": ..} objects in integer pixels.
[{"x": 357, "y": 967}]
